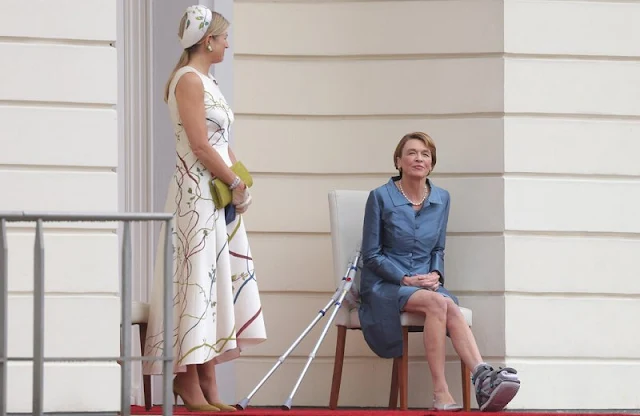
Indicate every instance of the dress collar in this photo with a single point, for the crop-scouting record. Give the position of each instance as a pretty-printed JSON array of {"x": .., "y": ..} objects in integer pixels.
[{"x": 399, "y": 199}]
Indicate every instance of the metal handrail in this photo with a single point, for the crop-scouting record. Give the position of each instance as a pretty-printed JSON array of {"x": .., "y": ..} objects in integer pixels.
[{"x": 38, "y": 304}]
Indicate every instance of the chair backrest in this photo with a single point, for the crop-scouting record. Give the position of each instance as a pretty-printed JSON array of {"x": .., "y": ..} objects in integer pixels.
[{"x": 346, "y": 209}]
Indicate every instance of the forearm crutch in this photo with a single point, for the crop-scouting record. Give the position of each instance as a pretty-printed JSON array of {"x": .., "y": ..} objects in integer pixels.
[{"x": 336, "y": 301}]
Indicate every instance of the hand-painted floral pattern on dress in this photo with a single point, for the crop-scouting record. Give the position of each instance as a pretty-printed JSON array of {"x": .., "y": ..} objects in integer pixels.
[{"x": 217, "y": 309}]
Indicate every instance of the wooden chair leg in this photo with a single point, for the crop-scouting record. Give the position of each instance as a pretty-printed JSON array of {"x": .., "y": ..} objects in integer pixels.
[
  {"x": 393, "y": 394},
  {"x": 404, "y": 370},
  {"x": 337, "y": 367},
  {"x": 146, "y": 380},
  {"x": 466, "y": 386}
]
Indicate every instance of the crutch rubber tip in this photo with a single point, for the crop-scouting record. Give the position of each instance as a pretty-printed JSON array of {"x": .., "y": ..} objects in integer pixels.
[
  {"x": 242, "y": 404},
  {"x": 287, "y": 405}
]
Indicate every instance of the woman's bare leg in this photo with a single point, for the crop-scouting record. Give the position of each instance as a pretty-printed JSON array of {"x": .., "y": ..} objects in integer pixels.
[
  {"x": 461, "y": 336},
  {"x": 187, "y": 385},
  {"x": 434, "y": 307},
  {"x": 208, "y": 383},
  {"x": 494, "y": 394}
]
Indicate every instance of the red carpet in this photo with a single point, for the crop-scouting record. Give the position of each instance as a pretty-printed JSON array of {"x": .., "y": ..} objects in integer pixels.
[
  {"x": 305, "y": 411},
  {"x": 302, "y": 411}
]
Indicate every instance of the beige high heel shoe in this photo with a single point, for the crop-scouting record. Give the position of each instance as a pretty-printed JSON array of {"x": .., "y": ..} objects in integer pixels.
[
  {"x": 223, "y": 407},
  {"x": 191, "y": 407}
]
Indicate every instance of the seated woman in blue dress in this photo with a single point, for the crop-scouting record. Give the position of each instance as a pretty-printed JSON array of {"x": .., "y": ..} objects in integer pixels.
[{"x": 403, "y": 242}]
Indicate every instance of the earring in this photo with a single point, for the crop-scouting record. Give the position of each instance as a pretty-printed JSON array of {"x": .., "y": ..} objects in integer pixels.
[{"x": 209, "y": 48}]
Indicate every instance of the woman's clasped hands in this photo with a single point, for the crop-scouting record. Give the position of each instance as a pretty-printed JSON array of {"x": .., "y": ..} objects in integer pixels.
[
  {"x": 429, "y": 281},
  {"x": 241, "y": 198}
]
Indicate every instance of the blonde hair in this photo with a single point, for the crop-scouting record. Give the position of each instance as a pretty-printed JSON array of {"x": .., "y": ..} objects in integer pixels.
[
  {"x": 418, "y": 135},
  {"x": 217, "y": 27}
]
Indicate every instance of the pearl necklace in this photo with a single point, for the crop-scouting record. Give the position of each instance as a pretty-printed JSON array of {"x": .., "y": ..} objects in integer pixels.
[{"x": 415, "y": 204}]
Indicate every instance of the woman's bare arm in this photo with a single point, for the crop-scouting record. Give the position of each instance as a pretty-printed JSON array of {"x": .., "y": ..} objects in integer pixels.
[
  {"x": 190, "y": 100},
  {"x": 232, "y": 156}
]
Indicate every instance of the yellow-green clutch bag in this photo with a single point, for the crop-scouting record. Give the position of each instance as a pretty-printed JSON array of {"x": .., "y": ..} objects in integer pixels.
[{"x": 220, "y": 191}]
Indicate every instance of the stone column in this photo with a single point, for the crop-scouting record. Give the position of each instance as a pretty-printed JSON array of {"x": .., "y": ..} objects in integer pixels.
[{"x": 572, "y": 202}]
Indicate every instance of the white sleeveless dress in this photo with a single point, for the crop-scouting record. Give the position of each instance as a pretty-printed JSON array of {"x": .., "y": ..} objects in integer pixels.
[{"x": 216, "y": 304}]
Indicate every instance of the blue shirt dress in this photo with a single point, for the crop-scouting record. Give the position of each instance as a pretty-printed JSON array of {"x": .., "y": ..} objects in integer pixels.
[{"x": 398, "y": 241}]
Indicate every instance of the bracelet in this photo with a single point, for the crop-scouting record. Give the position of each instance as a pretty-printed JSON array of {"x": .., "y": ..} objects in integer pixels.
[{"x": 235, "y": 183}]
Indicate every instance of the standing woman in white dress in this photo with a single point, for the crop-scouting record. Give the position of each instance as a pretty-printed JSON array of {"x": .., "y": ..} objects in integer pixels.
[{"x": 216, "y": 304}]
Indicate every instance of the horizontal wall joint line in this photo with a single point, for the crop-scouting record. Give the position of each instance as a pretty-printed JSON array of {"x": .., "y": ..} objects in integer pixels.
[
  {"x": 440, "y": 116},
  {"x": 582, "y": 177},
  {"x": 564, "y": 296},
  {"x": 58, "y": 104},
  {"x": 327, "y": 234},
  {"x": 58, "y": 168},
  {"x": 366, "y": 57},
  {"x": 506, "y": 233},
  {"x": 300, "y": 358},
  {"x": 434, "y": 56},
  {"x": 344, "y": 117},
  {"x": 66, "y": 295},
  {"x": 26, "y": 40},
  {"x": 555, "y": 360},
  {"x": 93, "y": 228},
  {"x": 296, "y": 174},
  {"x": 572, "y": 234}
]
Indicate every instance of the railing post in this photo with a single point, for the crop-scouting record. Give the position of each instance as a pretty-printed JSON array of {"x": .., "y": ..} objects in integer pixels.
[
  {"x": 38, "y": 321},
  {"x": 167, "y": 377},
  {"x": 125, "y": 298},
  {"x": 4, "y": 300},
  {"x": 39, "y": 305}
]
